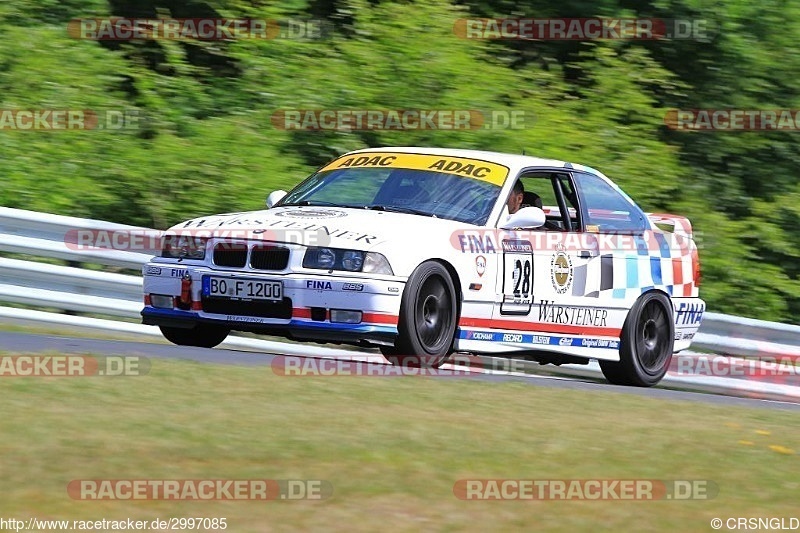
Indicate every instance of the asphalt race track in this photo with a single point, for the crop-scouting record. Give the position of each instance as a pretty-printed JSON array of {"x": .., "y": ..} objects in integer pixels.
[{"x": 27, "y": 343}]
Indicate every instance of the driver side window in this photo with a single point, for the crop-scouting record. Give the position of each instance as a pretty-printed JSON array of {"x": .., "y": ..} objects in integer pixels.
[{"x": 541, "y": 191}]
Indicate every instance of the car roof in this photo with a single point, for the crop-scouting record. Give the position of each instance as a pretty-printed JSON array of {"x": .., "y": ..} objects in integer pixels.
[{"x": 515, "y": 162}]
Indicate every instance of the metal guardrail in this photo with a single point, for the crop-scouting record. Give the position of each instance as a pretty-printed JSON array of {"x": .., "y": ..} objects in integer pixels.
[
  {"x": 69, "y": 288},
  {"x": 45, "y": 235},
  {"x": 76, "y": 289},
  {"x": 746, "y": 336},
  {"x": 66, "y": 288}
]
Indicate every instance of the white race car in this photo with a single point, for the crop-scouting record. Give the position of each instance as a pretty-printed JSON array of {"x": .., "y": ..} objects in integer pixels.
[{"x": 414, "y": 250}]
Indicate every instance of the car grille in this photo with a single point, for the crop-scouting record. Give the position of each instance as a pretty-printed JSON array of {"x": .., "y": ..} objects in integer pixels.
[
  {"x": 269, "y": 257},
  {"x": 262, "y": 256},
  {"x": 260, "y": 308},
  {"x": 230, "y": 254}
]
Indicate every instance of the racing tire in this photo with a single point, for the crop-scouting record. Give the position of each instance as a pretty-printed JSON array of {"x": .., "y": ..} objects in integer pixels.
[
  {"x": 428, "y": 318},
  {"x": 646, "y": 344},
  {"x": 200, "y": 335}
]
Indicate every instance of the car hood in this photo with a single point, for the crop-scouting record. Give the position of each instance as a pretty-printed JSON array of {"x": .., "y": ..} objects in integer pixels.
[{"x": 358, "y": 229}]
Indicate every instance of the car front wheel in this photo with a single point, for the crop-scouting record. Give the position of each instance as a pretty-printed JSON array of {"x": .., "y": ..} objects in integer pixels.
[
  {"x": 646, "y": 344},
  {"x": 428, "y": 318}
]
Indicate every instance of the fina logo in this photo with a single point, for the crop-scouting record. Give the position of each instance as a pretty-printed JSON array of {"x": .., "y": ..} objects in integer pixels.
[
  {"x": 690, "y": 314},
  {"x": 311, "y": 213}
]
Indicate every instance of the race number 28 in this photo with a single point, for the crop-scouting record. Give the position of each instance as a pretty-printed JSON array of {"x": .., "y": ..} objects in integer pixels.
[
  {"x": 517, "y": 277},
  {"x": 522, "y": 275}
]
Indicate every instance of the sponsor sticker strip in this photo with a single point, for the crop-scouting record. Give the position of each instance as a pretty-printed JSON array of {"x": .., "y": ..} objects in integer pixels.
[{"x": 542, "y": 339}]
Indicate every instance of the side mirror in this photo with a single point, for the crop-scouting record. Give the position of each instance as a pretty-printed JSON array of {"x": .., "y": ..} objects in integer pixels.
[
  {"x": 275, "y": 197},
  {"x": 527, "y": 217}
]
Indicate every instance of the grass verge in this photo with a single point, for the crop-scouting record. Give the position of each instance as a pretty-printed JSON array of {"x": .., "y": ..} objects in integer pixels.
[{"x": 391, "y": 447}]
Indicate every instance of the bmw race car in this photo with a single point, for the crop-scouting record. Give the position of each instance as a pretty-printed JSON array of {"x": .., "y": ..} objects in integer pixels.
[{"x": 417, "y": 251}]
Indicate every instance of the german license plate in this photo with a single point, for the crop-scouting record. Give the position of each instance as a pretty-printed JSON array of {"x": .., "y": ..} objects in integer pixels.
[{"x": 242, "y": 289}]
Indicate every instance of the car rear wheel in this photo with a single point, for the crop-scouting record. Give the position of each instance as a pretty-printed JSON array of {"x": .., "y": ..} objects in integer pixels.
[
  {"x": 428, "y": 318},
  {"x": 646, "y": 344},
  {"x": 200, "y": 335}
]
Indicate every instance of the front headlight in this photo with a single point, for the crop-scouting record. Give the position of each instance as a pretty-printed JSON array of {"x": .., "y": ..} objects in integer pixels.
[
  {"x": 376, "y": 263},
  {"x": 353, "y": 260},
  {"x": 184, "y": 247},
  {"x": 348, "y": 260},
  {"x": 324, "y": 258}
]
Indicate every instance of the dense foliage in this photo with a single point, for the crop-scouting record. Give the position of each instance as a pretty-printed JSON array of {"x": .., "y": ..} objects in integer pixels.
[{"x": 206, "y": 144}]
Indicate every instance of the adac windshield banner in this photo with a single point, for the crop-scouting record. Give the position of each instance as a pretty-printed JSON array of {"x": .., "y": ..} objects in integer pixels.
[{"x": 468, "y": 168}]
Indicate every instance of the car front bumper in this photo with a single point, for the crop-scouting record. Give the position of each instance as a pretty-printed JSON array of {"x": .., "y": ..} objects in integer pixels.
[{"x": 312, "y": 305}]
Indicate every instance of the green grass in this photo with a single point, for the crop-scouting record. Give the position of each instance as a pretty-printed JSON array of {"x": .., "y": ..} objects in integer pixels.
[{"x": 391, "y": 447}]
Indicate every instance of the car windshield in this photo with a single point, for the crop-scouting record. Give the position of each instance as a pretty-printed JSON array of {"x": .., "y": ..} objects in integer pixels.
[{"x": 421, "y": 192}]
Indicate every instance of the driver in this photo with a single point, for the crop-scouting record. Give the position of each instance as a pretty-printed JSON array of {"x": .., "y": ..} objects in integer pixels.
[{"x": 515, "y": 200}]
